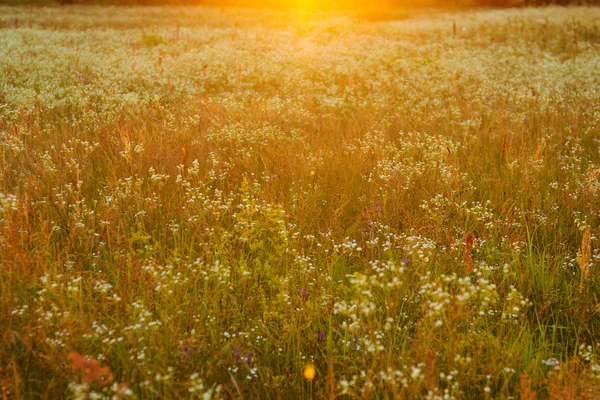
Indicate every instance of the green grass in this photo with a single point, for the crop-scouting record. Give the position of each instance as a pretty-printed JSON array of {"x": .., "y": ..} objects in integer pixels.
[{"x": 206, "y": 201}]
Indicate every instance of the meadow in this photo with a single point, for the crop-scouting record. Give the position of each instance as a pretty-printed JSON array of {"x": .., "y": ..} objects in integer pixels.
[{"x": 230, "y": 203}]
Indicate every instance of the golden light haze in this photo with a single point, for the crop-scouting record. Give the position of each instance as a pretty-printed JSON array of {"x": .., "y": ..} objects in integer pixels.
[{"x": 317, "y": 5}]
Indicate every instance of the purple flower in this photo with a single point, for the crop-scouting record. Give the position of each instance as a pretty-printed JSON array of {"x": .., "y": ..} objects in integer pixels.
[
  {"x": 405, "y": 260},
  {"x": 322, "y": 336},
  {"x": 186, "y": 351},
  {"x": 248, "y": 357},
  {"x": 236, "y": 355},
  {"x": 304, "y": 293}
]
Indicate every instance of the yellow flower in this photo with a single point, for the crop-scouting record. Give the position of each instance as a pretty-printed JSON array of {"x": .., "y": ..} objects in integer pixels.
[
  {"x": 309, "y": 372},
  {"x": 312, "y": 173}
]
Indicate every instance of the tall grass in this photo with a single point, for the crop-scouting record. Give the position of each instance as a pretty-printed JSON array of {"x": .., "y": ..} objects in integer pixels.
[{"x": 212, "y": 203}]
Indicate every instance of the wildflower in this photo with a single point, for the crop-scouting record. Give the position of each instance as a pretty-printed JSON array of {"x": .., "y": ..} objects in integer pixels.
[
  {"x": 91, "y": 369},
  {"x": 322, "y": 336},
  {"x": 309, "y": 372},
  {"x": 304, "y": 293},
  {"x": 415, "y": 373},
  {"x": 551, "y": 362}
]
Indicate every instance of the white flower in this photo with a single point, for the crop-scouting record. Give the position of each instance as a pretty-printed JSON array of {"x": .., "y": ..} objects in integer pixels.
[{"x": 551, "y": 362}]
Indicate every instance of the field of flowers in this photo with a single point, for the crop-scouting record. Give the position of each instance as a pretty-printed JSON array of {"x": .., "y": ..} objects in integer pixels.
[{"x": 206, "y": 203}]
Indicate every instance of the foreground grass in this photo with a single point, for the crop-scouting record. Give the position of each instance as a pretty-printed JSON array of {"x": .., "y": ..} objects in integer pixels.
[{"x": 205, "y": 202}]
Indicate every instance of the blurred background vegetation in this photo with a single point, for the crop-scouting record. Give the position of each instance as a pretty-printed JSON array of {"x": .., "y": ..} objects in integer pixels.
[{"x": 317, "y": 4}]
